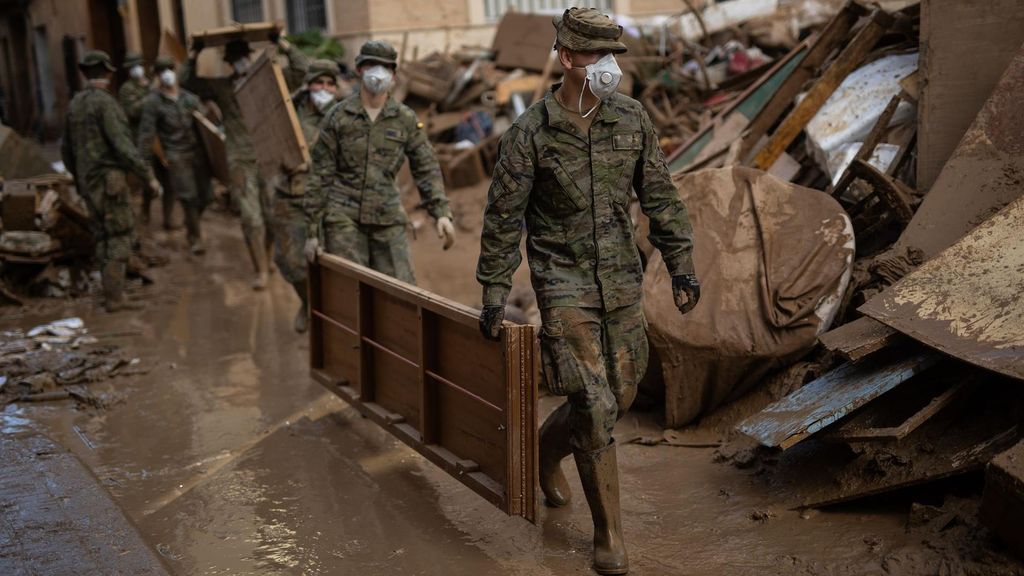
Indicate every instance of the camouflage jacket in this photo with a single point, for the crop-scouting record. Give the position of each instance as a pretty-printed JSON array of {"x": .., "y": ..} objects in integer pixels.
[
  {"x": 131, "y": 96},
  {"x": 169, "y": 119},
  {"x": 222, "y": 91},
  {"x": 97, "y": 139},
  {"x": 355, "y": 162},
  {"x": 574, "y": 194},
  {"x": 310, "y": 118}
]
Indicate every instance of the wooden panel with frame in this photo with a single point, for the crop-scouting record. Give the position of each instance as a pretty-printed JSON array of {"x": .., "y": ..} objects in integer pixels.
[
  {"x": 270, "y": 118},
  {"x": 416, "y": 364},
  {"x": 216, "y": 148}
]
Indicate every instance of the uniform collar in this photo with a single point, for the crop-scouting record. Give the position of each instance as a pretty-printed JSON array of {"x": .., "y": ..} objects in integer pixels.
[
  {"x": 558, "y": 117},
  {"x": 354, "y": 105}
]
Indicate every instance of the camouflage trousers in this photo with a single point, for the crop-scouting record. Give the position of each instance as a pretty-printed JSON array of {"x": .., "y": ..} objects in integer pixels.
[
  {"x": 382, "y": 248},
  {"x": 597, "y": 358},
  {"x": 289, "y": 228},
  {"x": 253, "y": 197},
  {"x": 113, "y": 224},
  {"x": 189, "y": 180},
  {"x": 163, "y": 175}
]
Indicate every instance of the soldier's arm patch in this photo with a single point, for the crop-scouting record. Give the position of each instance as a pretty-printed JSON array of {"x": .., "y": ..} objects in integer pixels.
[
  {"x": 394, "y": 134},
  {"x": 628, "y": 141}
]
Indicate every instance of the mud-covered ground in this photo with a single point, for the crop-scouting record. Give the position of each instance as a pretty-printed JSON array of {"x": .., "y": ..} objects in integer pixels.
[{"x": 231, "y": 460}]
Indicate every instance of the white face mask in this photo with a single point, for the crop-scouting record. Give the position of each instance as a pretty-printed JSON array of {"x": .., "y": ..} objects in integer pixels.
[
  {"x": 321, "y": 98},
  {"x": 137, "y": 72},
  {"x": 378, "y": 79},
  {"x": 240, "y": 65},
  {"x": 168, "y": 78},
  {"x": 603, "y": 78}
]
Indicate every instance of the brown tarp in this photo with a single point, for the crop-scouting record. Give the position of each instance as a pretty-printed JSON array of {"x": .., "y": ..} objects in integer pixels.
[{"x": 773, "y": 260}]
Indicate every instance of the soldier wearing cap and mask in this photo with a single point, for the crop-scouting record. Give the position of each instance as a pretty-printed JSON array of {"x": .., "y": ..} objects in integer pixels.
[
  {"x": 167, "y": 114},
  {"x": 311, "y": 106},
  {"x": 97, "y": 148},
  {"x": 249, "y": 190},
  {"x": 352, "y": 204},
  {"x": 566, "y": 167}
]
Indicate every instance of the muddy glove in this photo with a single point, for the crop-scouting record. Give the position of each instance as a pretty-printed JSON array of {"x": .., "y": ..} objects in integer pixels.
[
  {"x": 312, "y": 250},
  {"x": 685, "y": 291},
  {"x": 446, "y": 231},
  {"x": 197, "y": 45},
  {"x": 155, "y": 186},
  {"x": 490, "y": 322}
]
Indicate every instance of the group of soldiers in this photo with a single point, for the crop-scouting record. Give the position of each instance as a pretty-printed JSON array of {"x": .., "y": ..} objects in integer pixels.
[{"x": 565, "y": 172}]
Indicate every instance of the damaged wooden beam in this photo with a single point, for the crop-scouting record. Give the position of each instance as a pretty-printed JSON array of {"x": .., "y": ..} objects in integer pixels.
[{"x": 860, "y": 338}]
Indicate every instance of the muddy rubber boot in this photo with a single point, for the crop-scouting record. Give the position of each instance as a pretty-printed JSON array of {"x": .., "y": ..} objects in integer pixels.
[
  {"x": 301, "y": 323},
  {"x": 599, "y": 474},
  {"x": 554, "y": 447},
  {"x": 259, "y": 259},
  {"x": 147, "y": 203},
  {"x": 195, "y": 237},
  {"x": 113, "y": 276}
]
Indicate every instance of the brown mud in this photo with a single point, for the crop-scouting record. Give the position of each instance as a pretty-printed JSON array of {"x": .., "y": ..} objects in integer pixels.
[{"x": 231, "y": 460}]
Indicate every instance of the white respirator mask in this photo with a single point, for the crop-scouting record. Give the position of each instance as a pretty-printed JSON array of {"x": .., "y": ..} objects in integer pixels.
[
  {"x": 168, "y": 78},
  {"x": 378, "y": 79},
  {"x": 603, "y": 78},
  {"x": 321, "y": 98},
  {"x": 137, "y": 72}
]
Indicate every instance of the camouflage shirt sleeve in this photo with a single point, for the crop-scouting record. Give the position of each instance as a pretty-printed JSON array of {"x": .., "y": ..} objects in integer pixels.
[
  {"x": 147, "y": 130},
  {"x": 131, "y": 102},
  {"x": 298, "y": 65},
  {"x": 507, "y": 199},
  {"x": 115, "y": 127},
  {"x": 426, "y": 171},
  {"x": 671, "y": 232},
  {"x": 324, "y": 157}
]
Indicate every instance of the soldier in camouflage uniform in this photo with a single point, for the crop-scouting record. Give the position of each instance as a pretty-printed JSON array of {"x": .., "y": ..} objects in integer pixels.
[
  {"x": 249, "y": 190},
  {"x": 132, "y": 94},
  {"x": 97, "y": 148},
  {"x": 352, "y": 201},
  {"x": 566, "y": 167},
  {"x": 311, "y": 105},
  {"x": 167, "y": 114}
]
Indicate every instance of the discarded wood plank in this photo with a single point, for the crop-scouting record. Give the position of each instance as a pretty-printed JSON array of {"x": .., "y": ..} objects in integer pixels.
[
  {"x": 1002, "y": 504},
  {"x": 893, "y": 193},
  {"x": 847, "y": 61},
  {"x": 870, "y": 143},
  {"x": 216, "y": 148},
  {"x": 254, "y": 32},
  {"x": 857, "y": 339},
  {"x": 895, "y": 433},
  {"x": 832, "y": 397}
]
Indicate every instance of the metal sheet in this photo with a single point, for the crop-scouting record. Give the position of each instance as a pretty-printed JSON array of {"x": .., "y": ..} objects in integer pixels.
[{"x": 967, "y": 300}]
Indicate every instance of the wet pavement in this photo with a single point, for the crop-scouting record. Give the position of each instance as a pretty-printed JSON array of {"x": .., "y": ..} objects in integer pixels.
[{"x": 231, "y": 460}]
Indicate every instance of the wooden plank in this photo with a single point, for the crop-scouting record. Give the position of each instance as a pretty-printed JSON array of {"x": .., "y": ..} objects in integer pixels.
[
  {"x": 954, "y": 87},
  {"x": 416, "y": 364},
  {"x": 216, "y": 148},
  {"x": 967, "y": 300},
  {"x": 857, "y": 339},
  {"x": 847, "y": 61},
  {"x": 270, "y": 118},
  {"x": 253, "y": 32},
  {"x": 899, "y": 432},
  {"x": 171, "y": 46},
  {"x": 832, "y": 397}
]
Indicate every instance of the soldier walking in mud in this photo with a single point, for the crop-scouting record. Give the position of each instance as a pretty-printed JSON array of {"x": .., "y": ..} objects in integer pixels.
[
  {"x": 167, "y": 114},
  {"x": 567, "y": 166},
  {"x": 290, "y": 227},
  {"x": 353, "y": 207},
  {"x": 97, "y": 148}
]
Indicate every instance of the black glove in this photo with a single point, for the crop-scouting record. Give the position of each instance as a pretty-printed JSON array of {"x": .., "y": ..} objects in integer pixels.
[
  {"x": 490, "y": 322},
  {"x": 198, "y": 45},
  {"x": 685, "y": 291},
  {"x": 275, "y": 35}
]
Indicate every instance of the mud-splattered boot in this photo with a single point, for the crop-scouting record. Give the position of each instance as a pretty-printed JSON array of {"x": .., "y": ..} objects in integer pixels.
[
  {"x": 302, "y": 317},
  {"x": 554, "y": 447},
  {"x": 599, "y": 474},
  {"x": 113, "y": 276},
  {"x": 259, "y": 259},
  {"x": 193, "y": 232}
]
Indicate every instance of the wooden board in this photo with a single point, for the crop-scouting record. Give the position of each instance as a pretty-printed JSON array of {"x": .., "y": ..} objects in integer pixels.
[
  {"x": 216, "y": 148},
  {"x": 523, "y": 41},
  {"x": 860, "y": 338},
  {"x": 954, "y": 87},
  {"x": 270, "y": 118},
  {"x": 967, "y": 300},
  {"x": 171, "y": 46},
  {"x": 255, "y": 32},
  {"x": 832, "y": 397},
  {"x": 416, "y": 364}
]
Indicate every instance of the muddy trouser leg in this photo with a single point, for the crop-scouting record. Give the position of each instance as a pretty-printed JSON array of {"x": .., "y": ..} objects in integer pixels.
[
  {"x": 598, "y": 357},
  {"x": 166, "y": 178},
  {"x": 115, "y": 226},
  {"x": 289, "y": 225},
  {"x": 184, "y": 187},
  {"x": 389, "y": 252},
  {"x": 247, "y": 195},
  {"x": 344, "y": 238}
]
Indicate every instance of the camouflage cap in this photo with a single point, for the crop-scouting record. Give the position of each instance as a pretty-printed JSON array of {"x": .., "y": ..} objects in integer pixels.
[
  {"x": 131, "y": 58},
  {"x": 588, "y": 30},
  {"x": 377, "y": 51},
  {"x": 94, "y": 58},
  {"x": 164, "y": 63},
  {"x": 236, "y": 49},
  {"x": 318, "y": 68}
]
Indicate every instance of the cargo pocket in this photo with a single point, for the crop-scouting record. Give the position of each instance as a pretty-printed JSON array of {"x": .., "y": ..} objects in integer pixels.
[
  {"x": 558, "y": 364},
  {"x": 117, "y": 207},
  {"x": 570, "y": 191}
]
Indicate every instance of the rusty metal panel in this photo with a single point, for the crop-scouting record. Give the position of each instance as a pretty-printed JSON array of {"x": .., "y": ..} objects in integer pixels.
[
  {"x": 416, "y": 364},
  {"x": 967, "y": 301}
]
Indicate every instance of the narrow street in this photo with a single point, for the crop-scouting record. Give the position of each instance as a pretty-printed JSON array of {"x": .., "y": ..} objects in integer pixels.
[{"x": 230, "y": 460}]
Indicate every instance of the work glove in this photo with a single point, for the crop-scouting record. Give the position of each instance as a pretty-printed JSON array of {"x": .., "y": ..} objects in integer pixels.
[
  {"x": 490, "y": 322},
  {"x": 312, "y": 250},
  {"x": 155, "y": 186},
  {"x": 446, "y": 231},
  {"x": 685, "y": 291},
  {"x": 197, "y": 45},
  {"x": 275, "y": 35}
]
